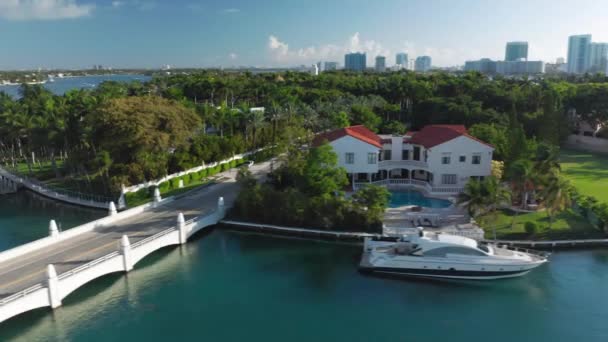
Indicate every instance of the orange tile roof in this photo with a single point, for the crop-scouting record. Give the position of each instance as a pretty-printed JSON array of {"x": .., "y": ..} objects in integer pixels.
[{"x": 359, "y": 132}]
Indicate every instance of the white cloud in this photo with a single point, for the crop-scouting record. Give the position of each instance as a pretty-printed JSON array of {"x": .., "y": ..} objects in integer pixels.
[
  {"x": 43, "y": 9},
  {"x": 117, "y": 4},
  {"x": 280, "y": 52},
  {"x": 233, "y": 56}
]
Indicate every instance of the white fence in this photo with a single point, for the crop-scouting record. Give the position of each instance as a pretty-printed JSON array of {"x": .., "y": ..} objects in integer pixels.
[
  {"x": 582, "y": 142},
  {"x": 135, "y": 188},
  {"x": 410, "y": 182},
  {"x": 81, "y": 199},
  {"x": 56, "y": 288}
]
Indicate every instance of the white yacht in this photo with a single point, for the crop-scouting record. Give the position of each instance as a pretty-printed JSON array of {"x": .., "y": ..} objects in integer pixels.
[{"x": 437, "y": 255}]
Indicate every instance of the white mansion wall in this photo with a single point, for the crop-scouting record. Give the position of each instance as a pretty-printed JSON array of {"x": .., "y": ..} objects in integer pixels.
[
  {"x": 348, "y": 144},
  {"x": 461, "y": 146}
]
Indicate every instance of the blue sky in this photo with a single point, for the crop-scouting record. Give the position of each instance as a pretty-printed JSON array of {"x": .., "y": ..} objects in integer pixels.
[{"x": 201, "y": 33}]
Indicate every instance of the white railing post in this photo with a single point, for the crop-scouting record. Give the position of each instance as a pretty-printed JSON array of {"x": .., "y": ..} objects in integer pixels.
[
  {"x": 125, "y": 250},
  {"x": 53, "y": 231},
  {"x": 181, "y": 227},
  {"x": 157, "y": 197},
  {"x": 112, "y": 209},
  {"x": 180, "y": 183},
  {"x": 53, "y": 286},
  {"x": 221, "y": 208}
]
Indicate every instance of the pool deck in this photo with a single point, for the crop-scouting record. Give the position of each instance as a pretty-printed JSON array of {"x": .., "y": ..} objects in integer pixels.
[{"x": 452, "y": 220}]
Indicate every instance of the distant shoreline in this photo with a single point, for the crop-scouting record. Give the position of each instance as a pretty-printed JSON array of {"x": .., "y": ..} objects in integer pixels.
[{"x": 8, "y": 84}]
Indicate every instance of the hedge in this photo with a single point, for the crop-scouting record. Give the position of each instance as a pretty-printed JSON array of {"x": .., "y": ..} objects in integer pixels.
[{"x": 589, "y": 207}]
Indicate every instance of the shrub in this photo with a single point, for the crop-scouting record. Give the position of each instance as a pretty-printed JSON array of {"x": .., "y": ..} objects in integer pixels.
[
  {"x": 531, "y": 228},
  {"x": 225, "y": 167},
  {"x": 175, "y": 183},
  {"x": 164, "y": 187},
  {"x": 202, "y": 173}
]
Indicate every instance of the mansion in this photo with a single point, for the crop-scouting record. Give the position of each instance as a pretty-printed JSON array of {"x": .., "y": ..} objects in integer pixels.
[{"x": 439, "y": 159}]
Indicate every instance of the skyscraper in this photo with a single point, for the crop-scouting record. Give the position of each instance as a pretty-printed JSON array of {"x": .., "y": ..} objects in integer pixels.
[
  {"x": 422, "y": 64},
  {"x": 401, "y": 59},
  {"x": 516, "y": 51},
  {"x": 599, "y": 57},
  {"x": 355, "y": 61},
  {"x": 329, "y": 66},
  {"x": 380, "y": 63},
  {"x": 579, "y": 53}
]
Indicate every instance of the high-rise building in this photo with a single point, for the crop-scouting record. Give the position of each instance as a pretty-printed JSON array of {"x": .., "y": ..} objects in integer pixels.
[
  {"x": 355, "y": 61},
  {"x": 484, "y": 65},
  {"x": 520, "y": 67},
  {"x": 380, "y": 63},
  {"x": 599, "y": 58},
  {"x": 423, "y": 64},
  {"x": 516, "y": 51},
  {"x": 560, "y": 60},
  {"x": 329, "y": 66},
  {"x": 579, "y": 53},
  {"x": 402, "y": 59},
  {"x": 320, "y": 66}
]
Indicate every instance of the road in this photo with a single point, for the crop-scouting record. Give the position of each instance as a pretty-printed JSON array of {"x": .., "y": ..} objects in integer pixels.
[{"x": 22, "y": 272}]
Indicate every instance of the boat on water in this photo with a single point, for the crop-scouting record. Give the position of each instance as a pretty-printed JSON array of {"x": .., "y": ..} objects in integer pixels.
[{"x": 436, "y": 255}]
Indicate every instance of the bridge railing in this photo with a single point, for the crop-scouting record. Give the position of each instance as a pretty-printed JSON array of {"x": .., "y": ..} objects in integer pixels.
[
  {"x": 21, "y": 294},
  {"x": 88, "y": 265}
]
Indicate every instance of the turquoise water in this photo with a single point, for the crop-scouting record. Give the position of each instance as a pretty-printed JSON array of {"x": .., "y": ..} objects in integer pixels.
[
  {"x": 25, "y": 217},
  {"x": 62, "y": 85},
  {"x": 412, "y": 197},
  {"x": 225, "y": 286}
]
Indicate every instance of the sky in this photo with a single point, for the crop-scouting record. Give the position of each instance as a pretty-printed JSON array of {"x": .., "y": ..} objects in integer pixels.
[{"x": 279, "y": 33}]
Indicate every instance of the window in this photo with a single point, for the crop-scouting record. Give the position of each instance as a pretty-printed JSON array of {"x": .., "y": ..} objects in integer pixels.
[
  {"x": 387, "y": 154},
  {"x": 405, "y": 155},
  {"x": 349, "y": 158},
  {"x": 445, "y": 160},
  {"x": 416, "y": 152},
  {"x": 463, "y": 159},
  {"x": 448, "y": 179},
  {"x": 476, "y": 159},
  {"x": 371, "y": 158},
  {"x": 443, "y": 251}
]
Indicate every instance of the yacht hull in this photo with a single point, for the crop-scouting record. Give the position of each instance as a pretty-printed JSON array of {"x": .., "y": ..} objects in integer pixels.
[{"x": 446, "y": 274}]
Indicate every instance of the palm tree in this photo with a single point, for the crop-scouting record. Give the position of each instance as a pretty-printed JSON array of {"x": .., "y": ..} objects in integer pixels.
[
  {"x": 555, "y": 195},
  {"x": 472, "y": 197},
  {"x": 523, "y": 176},
  {"x": 255, "y": 121},
  {"x": 485, "y": 197}
]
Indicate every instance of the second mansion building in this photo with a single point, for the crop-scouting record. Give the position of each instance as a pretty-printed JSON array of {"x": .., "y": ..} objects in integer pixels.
[{"x": 437, "y": 159}]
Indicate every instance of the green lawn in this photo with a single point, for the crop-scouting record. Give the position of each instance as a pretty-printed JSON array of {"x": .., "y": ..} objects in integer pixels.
[
  {"x": 588, "y": 172},
  {"x": 40, "y": 171},
  {"x": 566, "y": 225}
]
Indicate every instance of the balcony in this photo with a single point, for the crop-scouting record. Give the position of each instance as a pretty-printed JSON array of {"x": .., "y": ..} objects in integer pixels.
[{"x": 398, "y": 164}]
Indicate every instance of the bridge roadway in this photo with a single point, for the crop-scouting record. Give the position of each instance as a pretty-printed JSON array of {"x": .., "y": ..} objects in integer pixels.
[{"x": 23, "y": 272}]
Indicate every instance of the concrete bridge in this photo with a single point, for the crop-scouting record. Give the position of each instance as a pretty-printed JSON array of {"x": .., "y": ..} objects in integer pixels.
[
  {"x": 9, "y": 182},
  {"x": 43, "y": 272},
  {"x": 7, "y": 186}
]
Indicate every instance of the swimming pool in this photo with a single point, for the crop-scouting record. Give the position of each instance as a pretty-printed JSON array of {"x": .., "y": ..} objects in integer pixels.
[{"x": 412, "y": 197}]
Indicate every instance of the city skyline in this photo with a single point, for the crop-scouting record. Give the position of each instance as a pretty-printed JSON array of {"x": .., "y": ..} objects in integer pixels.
[{"x": 188, "y": 33}]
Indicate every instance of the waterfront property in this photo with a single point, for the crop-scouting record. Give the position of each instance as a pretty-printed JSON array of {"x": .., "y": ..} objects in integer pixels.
[{"x": 437, "y": 159}]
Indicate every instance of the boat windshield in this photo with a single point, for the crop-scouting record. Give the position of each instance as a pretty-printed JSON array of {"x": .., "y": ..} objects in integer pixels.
[{"x": 483, "y": 247}]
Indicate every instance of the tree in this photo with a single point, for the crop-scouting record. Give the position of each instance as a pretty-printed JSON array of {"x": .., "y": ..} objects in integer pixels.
[
  {"x": 484, "y": 196},
  {"x": 339, "y": 119},
  {"x": 375, "y": 199},
  {"x": 365, "y": 116},
  {"x": 322, "y": 173},
  {"x": 555, "y": 195}
]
